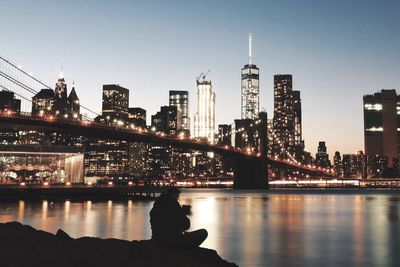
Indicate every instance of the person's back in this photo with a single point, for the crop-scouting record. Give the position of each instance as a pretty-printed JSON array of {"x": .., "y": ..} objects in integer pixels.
[
  {"x": 167, "y": 218},
  {"x": 169, "y": 222}
]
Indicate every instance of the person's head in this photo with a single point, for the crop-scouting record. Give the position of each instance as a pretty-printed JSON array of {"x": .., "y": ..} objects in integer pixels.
[{"x": 173, "y": 192}]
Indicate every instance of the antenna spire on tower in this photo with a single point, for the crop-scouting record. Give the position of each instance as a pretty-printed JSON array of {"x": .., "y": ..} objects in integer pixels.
[
  {"x": 61, "y": 75},
  {"x": 249, "y": 48}
]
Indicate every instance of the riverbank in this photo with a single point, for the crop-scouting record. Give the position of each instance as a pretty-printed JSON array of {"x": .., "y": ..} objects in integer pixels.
[
  {"x": 22, "y": 245},
  {"x": 77, "y": 192}
]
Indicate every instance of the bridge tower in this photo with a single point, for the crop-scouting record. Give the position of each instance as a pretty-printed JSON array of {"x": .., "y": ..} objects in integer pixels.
[{"x": 252, "y": 173}]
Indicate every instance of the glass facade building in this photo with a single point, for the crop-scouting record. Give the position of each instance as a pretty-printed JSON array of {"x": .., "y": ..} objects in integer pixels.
[
  {"x": 180, "y": 99},
  {"x": 382, "y": 125},
  {"x": 250, "y": 92}
]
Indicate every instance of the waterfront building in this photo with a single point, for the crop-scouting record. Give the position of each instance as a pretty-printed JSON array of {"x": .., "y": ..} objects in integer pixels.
[
  {"x": 163, "y": 159},
  {"x": 250, "y": 88},
  {"x": 204, "y": 119},
  {"x": 159, "y": 160},
  {"x": 105, "y": 157},
  {"x": 354, "y": 165},
  {"x": 322, "y": 157},
  {"x": 40, "y": 163},
  {"x": 382, "y": 125},
  {"x": 115, "y": 102},
  {"x": 362, "y": 166},
  {"x": 138, "y": 163},
  {"x": 137, "y": 116},
  {"x": 180, "y": 99},
  {"x": 138, "y": 159}
]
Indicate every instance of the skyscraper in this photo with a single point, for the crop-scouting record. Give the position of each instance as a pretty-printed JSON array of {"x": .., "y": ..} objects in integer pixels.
[
  {"x": 382, "y": 125},
  {"x": 105, "y": 156},
  {"x": 283, "y": 121},
  {"x": 115, "y": 101},
  {"x": 337, "y": 163},
  {"x": 204, "y": 119},
  {"x": 250, "y": 95},
  {"x": 297, "y": 118},
  {"x": 180, "y": 99},
  {"x": 60, "y": 96},
  {"x": 322, "y": 157}
]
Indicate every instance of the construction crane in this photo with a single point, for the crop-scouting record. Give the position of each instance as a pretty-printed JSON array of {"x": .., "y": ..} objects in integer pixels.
[
  {"x": 205, "y": 75},
  {"x": 198, "y": 77},
  {"x": 202, "y": 76}
]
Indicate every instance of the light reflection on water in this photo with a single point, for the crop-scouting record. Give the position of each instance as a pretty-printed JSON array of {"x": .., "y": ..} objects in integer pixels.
[{"x": 251, "y": 228}]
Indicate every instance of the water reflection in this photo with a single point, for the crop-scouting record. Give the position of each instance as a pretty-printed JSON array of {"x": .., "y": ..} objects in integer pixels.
[{"x": 250, "y": 228}]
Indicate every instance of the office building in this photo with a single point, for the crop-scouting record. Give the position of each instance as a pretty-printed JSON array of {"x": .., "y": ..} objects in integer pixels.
[
  {"x": 115, "y": 102},
  {"x": 204, "y": 119},
  {"x": 167, "y": 120},
  {"x": 322, "y": 157},
  {"x": 104, "y": 156},
  {"x": 382, "y": 125},
  {"x": 337, "y": 164},
  {"x": 296, "y": 101},
  {"x": 137, "y": 116},
  {"x": 250, "y": 92},
  {"x": 283, "y": 121},
  {"x": 8, "y": 102},
  {"x": 43, "y": 102},
  {"x": 180, "y": 99}
]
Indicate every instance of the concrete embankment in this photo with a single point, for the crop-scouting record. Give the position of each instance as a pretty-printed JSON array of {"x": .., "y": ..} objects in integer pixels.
[{"x": 22, "y": 245}]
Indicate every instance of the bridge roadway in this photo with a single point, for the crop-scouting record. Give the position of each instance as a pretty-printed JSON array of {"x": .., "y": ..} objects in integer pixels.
[{"x": 251, "y": 169}]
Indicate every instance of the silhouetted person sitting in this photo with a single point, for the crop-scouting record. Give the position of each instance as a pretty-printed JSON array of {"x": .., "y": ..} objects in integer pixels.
[{"x": 169, "y": 222}]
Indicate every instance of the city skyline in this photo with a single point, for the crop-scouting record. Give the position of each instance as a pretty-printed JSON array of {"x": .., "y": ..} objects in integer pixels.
[{"x": 333, "y": 64}]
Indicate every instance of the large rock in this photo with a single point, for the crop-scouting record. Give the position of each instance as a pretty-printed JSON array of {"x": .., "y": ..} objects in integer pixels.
[{"x": 22, "y": 245}]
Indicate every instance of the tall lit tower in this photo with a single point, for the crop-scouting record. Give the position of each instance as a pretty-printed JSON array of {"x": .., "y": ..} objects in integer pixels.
[
  {"x": 250, "y": 98},
  {"x": 204, "y": 119},
  {"x": 382, "y": 125}
]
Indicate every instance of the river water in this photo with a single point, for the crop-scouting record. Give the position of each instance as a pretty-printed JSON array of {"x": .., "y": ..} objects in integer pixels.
[{"x": 251, "y": 228}]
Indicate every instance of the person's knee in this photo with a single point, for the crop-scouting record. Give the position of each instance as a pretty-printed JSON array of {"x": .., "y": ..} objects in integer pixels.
[{"x": 204, "y": 233}]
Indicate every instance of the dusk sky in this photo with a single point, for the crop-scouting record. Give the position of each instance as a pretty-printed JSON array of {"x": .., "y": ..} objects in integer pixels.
[{"x": 337, "y": 51}]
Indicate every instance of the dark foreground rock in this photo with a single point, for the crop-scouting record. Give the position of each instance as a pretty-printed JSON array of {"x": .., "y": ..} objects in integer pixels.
[{"x": 22, "y": 245}]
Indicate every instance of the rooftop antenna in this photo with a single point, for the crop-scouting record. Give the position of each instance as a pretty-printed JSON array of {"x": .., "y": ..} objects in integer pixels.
[
  {"x": 249, "y": 48},
  {"x": 61, "y": 75}
]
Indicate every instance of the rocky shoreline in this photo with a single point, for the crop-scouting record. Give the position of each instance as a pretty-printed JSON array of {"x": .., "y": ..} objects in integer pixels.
[{"x": 22, "y": 245}]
